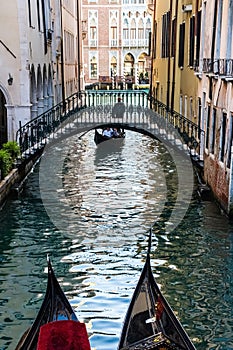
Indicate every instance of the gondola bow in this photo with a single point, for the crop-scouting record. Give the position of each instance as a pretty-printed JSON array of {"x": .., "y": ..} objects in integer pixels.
[
  {"x": 150, "y": 322},
  {"x": 52, "y": 317}
]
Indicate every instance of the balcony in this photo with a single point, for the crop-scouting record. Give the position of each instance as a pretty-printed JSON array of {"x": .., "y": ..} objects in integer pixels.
[
  {"x": 113, "y": 43},
  {"x": 135, "y": 43},
  {"x": 221, "y": 66},
  {"x": 93, "y": 43}
]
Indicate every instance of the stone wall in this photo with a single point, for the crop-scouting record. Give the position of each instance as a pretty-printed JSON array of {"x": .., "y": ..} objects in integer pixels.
[{"x": 12, "y": 182}]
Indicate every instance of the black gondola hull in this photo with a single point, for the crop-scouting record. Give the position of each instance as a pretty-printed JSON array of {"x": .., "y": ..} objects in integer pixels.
[
  {"x": 150, "y": 322},
  {"x": 99, "y": 138},
  {"x": 55, "y": 307}
]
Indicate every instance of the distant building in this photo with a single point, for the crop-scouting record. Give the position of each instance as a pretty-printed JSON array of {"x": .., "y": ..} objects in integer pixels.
[
  {"x": 116, "y": 43},
  {"x": 192, "y": 73},
  {"x": 40, "y": 53}
]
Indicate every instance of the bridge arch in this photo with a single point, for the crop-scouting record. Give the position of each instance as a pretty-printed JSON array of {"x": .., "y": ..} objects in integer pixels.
[{"x": 149, "y": 124}]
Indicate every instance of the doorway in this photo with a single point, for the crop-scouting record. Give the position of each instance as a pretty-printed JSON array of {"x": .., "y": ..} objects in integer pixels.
[{"x": 3, "y": 119}]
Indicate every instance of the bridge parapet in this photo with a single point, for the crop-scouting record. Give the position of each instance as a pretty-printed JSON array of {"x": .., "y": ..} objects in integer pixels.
[{"x": 91, "y": 109}]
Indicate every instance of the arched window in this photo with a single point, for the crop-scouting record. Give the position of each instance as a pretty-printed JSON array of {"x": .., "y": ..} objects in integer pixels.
[
  {"x": 93, "y": 28},
  {"x": 133, "y": 37},
  {"x": 148, "y": 28},
  {"x": 140, "y": 32},
  {"x": 126, "y": 32},
  {"x": 113, "y": 67},
  {"x": 113, "y": 32}
]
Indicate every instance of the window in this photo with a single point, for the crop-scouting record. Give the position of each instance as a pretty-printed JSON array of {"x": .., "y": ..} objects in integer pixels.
[
  {"x": 165, "y": 35},
  {"x": 191, "y": 40},
  {"x": 113, "y": 33},
  {"x": 198, "y": 38},
  {"x": 213, "y": 130},
  {"x": 154, "y": 41},
  {"x": 92, "y": 24},
  {"x": 93, "y": 66},
  {"x": 140, "y": 29},
  {"x": 69, "y": 46},
  {"x": 207, "y": 128},
  {"x": 93, "y": 36},
  {"x": 148, "y": 30},
  {"x": 133, "y": 40},
  {"x": 181, "y": 46},
  {"x": 125, "y": 33},
  {"x": 38, "y": 15},
  {"x": 223, "y": 137},
  {"x": 29, "y": 13}
]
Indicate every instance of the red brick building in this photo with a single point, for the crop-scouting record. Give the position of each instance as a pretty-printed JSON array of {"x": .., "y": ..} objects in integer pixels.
[{"x": 116, "y": 42}]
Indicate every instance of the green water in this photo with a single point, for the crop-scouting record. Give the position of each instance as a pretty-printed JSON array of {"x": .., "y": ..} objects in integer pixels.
[{"x": 114, "y": 196}]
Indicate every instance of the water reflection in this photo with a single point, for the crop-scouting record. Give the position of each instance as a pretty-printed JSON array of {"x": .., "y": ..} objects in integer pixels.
[{"x": 115, "y": 196}]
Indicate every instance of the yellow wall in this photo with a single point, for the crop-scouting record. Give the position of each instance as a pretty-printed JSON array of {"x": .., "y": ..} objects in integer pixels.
[{"x": 185, "y": 81}]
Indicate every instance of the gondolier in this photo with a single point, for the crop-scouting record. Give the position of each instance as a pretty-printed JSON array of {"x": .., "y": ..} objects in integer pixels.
[{"x": 118, "y": 109}]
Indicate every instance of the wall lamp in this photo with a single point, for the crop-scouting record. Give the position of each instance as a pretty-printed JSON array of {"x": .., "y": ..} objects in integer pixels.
[{"x": 10, "y": 79}]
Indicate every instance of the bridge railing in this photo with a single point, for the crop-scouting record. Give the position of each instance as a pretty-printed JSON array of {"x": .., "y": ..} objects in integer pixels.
[
  {"x": 110, "y": 97},
  {"x": 35, "y": 133},
  {"x": 191, "y": 134}
]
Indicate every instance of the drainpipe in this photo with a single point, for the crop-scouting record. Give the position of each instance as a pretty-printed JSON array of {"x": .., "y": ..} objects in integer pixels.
[
  {"x": 153, "y": 45},
  {"x": 62, "y": 61},
  {"x": 174, "y": 60},
  {"x": 169, "y": 57}
]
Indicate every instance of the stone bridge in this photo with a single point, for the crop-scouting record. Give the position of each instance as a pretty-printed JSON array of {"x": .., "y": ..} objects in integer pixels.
[{"x": 93, "y": 109}]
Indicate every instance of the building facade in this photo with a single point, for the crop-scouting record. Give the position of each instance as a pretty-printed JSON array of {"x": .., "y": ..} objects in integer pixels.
[
  {"x": 116, "y": 43},
  {"x": 192, "y": 73},
  {"x": 214, "y": 69},
  {"x": 41, "y": 52}
]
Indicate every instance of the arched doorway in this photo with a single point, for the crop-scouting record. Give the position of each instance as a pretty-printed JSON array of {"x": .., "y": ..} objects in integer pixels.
[
  {"x": 143, "y": 68},
  {"x": 113, "y": 66},
  {"x": 129, "y": 69},
  {"x": 3, "y": 119}
]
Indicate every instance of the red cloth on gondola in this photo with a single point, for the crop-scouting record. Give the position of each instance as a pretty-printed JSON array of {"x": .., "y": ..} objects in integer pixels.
[{"x": 63, "y": 335}]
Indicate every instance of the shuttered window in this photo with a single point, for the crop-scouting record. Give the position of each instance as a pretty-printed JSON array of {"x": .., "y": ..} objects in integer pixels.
[
  {"x": 191, "y": 41},
  {"x": 181, "y": 46},
  {"x": 165, "y": 35},
  {"x": 198, "y": 38}
]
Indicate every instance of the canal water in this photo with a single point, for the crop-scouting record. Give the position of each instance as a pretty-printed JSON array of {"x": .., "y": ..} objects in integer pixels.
[{"x": 94, "y": 224}]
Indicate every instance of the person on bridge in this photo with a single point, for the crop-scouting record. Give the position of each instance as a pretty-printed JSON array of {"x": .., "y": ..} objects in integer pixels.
[{"x": 118, "y": 109}]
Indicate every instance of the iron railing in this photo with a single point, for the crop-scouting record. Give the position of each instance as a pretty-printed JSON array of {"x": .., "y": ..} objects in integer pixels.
[
  {"x": 191, "y": 134},
  {"x": 221, "y": 66},
  {"x": 34, "y": 135}
]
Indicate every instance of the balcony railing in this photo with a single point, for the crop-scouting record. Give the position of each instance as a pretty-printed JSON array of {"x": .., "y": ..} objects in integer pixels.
[
  {"x": 221, "y": 66},
  {"x": 113, "y": 43},
  {"x": 93, "y": 43}
]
